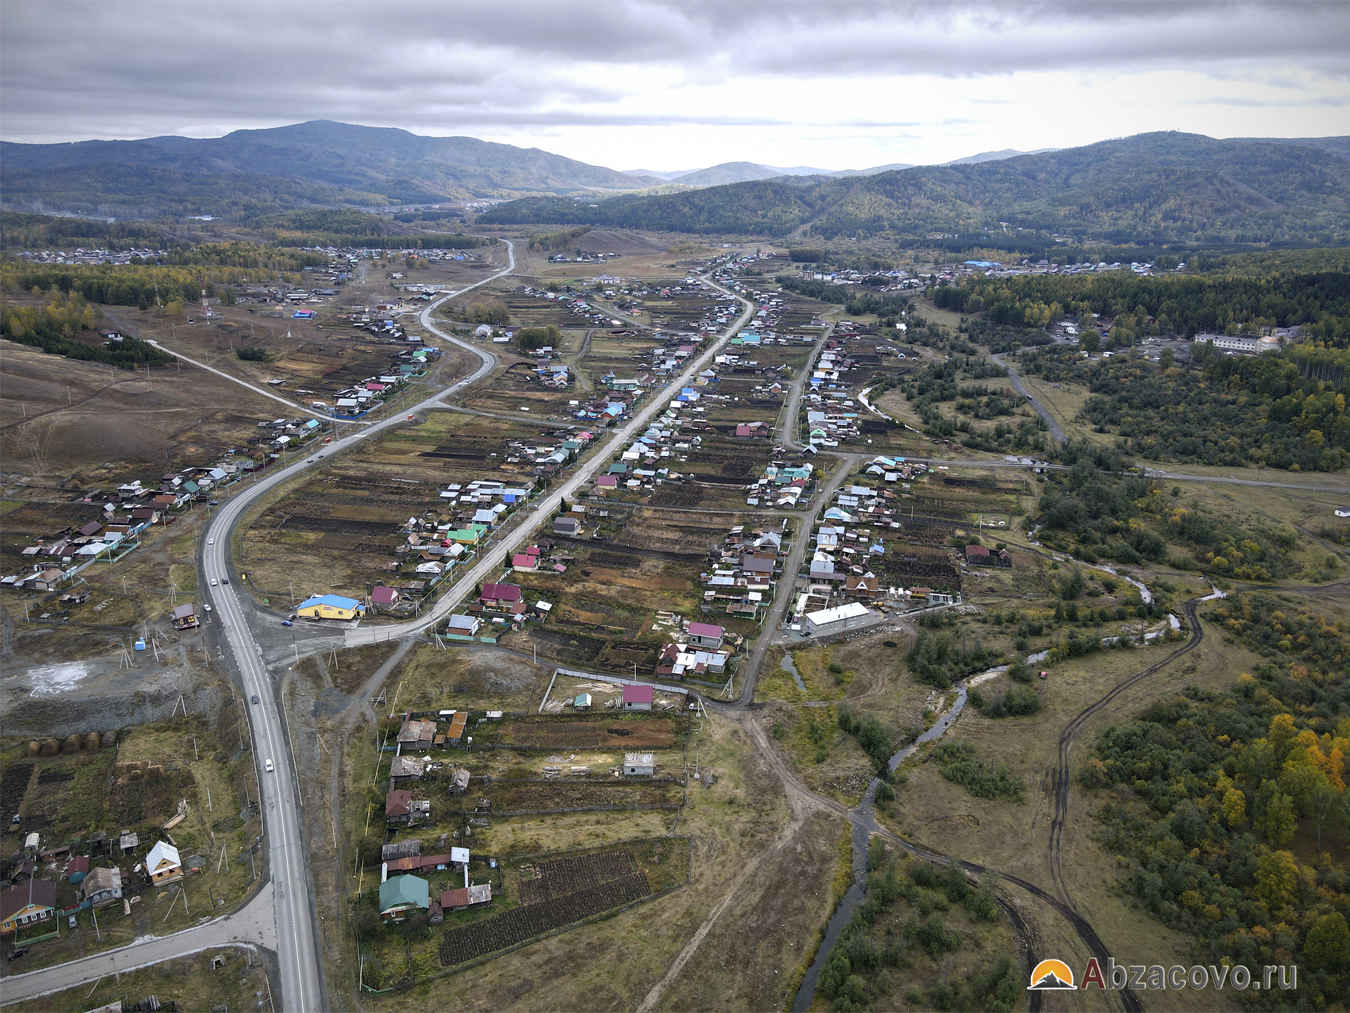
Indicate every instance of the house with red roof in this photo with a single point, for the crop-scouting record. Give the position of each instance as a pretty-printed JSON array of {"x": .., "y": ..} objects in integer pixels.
[
  {"x": 500, "y": 595},
  {"x": 527, "y": 561},
  {"x": 705, "y": 635},
  {"x": 638, "y": 698}
]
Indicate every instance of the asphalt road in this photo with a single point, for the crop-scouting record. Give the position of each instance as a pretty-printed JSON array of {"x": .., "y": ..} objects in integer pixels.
[
  {"x": 251, "y": 925},
  {"x": 297, "y": 946},
  {"x": 281, "y": 916}
]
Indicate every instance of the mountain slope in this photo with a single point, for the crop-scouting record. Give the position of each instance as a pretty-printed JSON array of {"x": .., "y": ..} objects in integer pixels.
[
  {"x": 1157, "y": 187},
  {"x": 315, "y": 162}
]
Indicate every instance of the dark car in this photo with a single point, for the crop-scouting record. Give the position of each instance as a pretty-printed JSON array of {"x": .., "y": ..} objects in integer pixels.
[
  {"x": 224, "y": 580},
  {"x": 213, "y": 502},
  {"x": 254, "y": 698},
  {"x": 16, "y": 954},
  {"x": 287, "y": 622}
]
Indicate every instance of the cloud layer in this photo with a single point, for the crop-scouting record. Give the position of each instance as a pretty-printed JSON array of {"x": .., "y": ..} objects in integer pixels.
[{"x": 669, "y": 84}]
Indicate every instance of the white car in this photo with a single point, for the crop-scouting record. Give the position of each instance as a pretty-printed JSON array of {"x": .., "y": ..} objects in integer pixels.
[
  {"x": 213, "y": 581},
  {"x": 267, "y": 765},
  {"x": 207, "y": 606},
  {"x": 210, "y": 541}
]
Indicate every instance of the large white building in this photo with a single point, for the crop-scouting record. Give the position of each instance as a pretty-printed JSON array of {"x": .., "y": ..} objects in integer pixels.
[
  {"x": 838, "y": 619},
  {"x": 1240, "y": 345}
]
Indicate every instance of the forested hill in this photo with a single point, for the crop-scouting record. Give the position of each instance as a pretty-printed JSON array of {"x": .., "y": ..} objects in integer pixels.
[
  {"x": 319, "y": 162},
  {"x": 1150, "y": 188}
]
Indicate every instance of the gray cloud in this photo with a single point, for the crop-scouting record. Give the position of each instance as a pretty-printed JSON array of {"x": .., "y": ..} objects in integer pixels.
[{"x": 141, "y": 67}]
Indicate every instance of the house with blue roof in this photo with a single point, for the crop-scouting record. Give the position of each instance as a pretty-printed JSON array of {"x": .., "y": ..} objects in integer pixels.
[{"x": 330, "y": 606}]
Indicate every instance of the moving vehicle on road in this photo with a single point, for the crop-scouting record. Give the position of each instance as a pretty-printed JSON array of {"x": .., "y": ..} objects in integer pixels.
[
  {"x": 267, "y": 765},
  {"x": 213, "y": 581},
  {"x": 254, "y": 698},
  {"x": 287, "y": 622}
]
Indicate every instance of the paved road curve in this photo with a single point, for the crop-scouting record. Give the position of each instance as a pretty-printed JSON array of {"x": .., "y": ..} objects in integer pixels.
[
  {"x": 282, "y": 915},
  {"x": 251, "y": 925},
  {"x": 297, "y": 949}
]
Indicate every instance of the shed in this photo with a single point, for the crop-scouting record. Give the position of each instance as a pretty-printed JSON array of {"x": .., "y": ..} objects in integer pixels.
[
  {"x": 639, "y": 764},
  {"x": 582, "y": 701}
]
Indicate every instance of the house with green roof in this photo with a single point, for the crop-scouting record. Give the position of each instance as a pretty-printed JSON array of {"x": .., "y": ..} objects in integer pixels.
[{"x": 402, "y": 895}]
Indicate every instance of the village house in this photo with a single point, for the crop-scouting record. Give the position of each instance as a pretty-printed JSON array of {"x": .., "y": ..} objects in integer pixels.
[
  {"x": 637, "y": 698},
  {"x": 402, "y": 810},
  {"x": 27, "y": 903},
  {"x": 416, "y": 734},
  {"x": 102, "y": 886},
  {"x": 462, "y": 625},
  {"x": 705, "y": 635},
  {"x": 382, "y": 597},
  {"x": 498, "y": 595},
  {"x": 402, "y": 895},
  {"x": 163, "y": 865},
  {"x": 406, "y": 768},
  {"x": 979, "y": 555}
]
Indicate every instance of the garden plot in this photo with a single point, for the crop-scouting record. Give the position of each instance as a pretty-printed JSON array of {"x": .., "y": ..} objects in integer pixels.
[
  {"x": 338, "y": 531},
  {"x": 634, "y": 567},
  {"x": 560, "y": 890}
]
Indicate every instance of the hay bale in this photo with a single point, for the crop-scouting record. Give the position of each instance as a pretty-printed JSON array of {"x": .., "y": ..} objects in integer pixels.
[
  {"x": 49, "y": 747},
  {"x": 92, "y": 741},
  {"x": 71, "y": 744},
  {"x": 34, "y": 747},
  {"x": 109, "y": 739}
]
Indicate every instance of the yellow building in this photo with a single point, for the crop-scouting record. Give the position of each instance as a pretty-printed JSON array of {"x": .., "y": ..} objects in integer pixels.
[{"x": 330, "y": 606}]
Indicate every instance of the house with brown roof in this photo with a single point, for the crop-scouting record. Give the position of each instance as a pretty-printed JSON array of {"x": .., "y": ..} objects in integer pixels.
[
  {"x": 979, "y": 555},
  {"x": 102, "y": 886},
  {"x": 866, "y": 587},
  {"x": 27, "y": 903},
  {"x": 415, "y": 734}
]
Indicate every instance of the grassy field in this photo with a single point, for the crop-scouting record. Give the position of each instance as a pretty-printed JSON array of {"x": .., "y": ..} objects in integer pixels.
[
  {"x": 229, "y": 978},
  {"x": 1012, "y": 836}
]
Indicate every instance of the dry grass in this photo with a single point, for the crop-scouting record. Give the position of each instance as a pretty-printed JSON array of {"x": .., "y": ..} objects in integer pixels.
[
  {"x": 189, "y": 981},
  {"x": 1013, "y": 837}
]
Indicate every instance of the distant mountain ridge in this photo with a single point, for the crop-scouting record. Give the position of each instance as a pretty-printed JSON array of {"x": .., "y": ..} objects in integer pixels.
[
  {"x": 317, "y": 162},
  {"x": 1158, "y": 187}
]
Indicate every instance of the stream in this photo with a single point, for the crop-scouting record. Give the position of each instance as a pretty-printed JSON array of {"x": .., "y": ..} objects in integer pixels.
[
  {"x": 863, "y": 819},
  {"x": 863, "y": 816},
  {"x": 790, "y": 666}
]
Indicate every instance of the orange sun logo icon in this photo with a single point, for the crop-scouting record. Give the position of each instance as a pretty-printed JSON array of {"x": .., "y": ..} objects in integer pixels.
[{"x": 1051, "y": 974}]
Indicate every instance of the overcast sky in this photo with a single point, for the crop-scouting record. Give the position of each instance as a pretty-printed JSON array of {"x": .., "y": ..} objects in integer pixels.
[{"x": 671, "y": 84}]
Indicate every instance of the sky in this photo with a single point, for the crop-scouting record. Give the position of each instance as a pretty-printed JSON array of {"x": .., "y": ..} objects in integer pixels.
[{"x": 651, "y": 84}]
